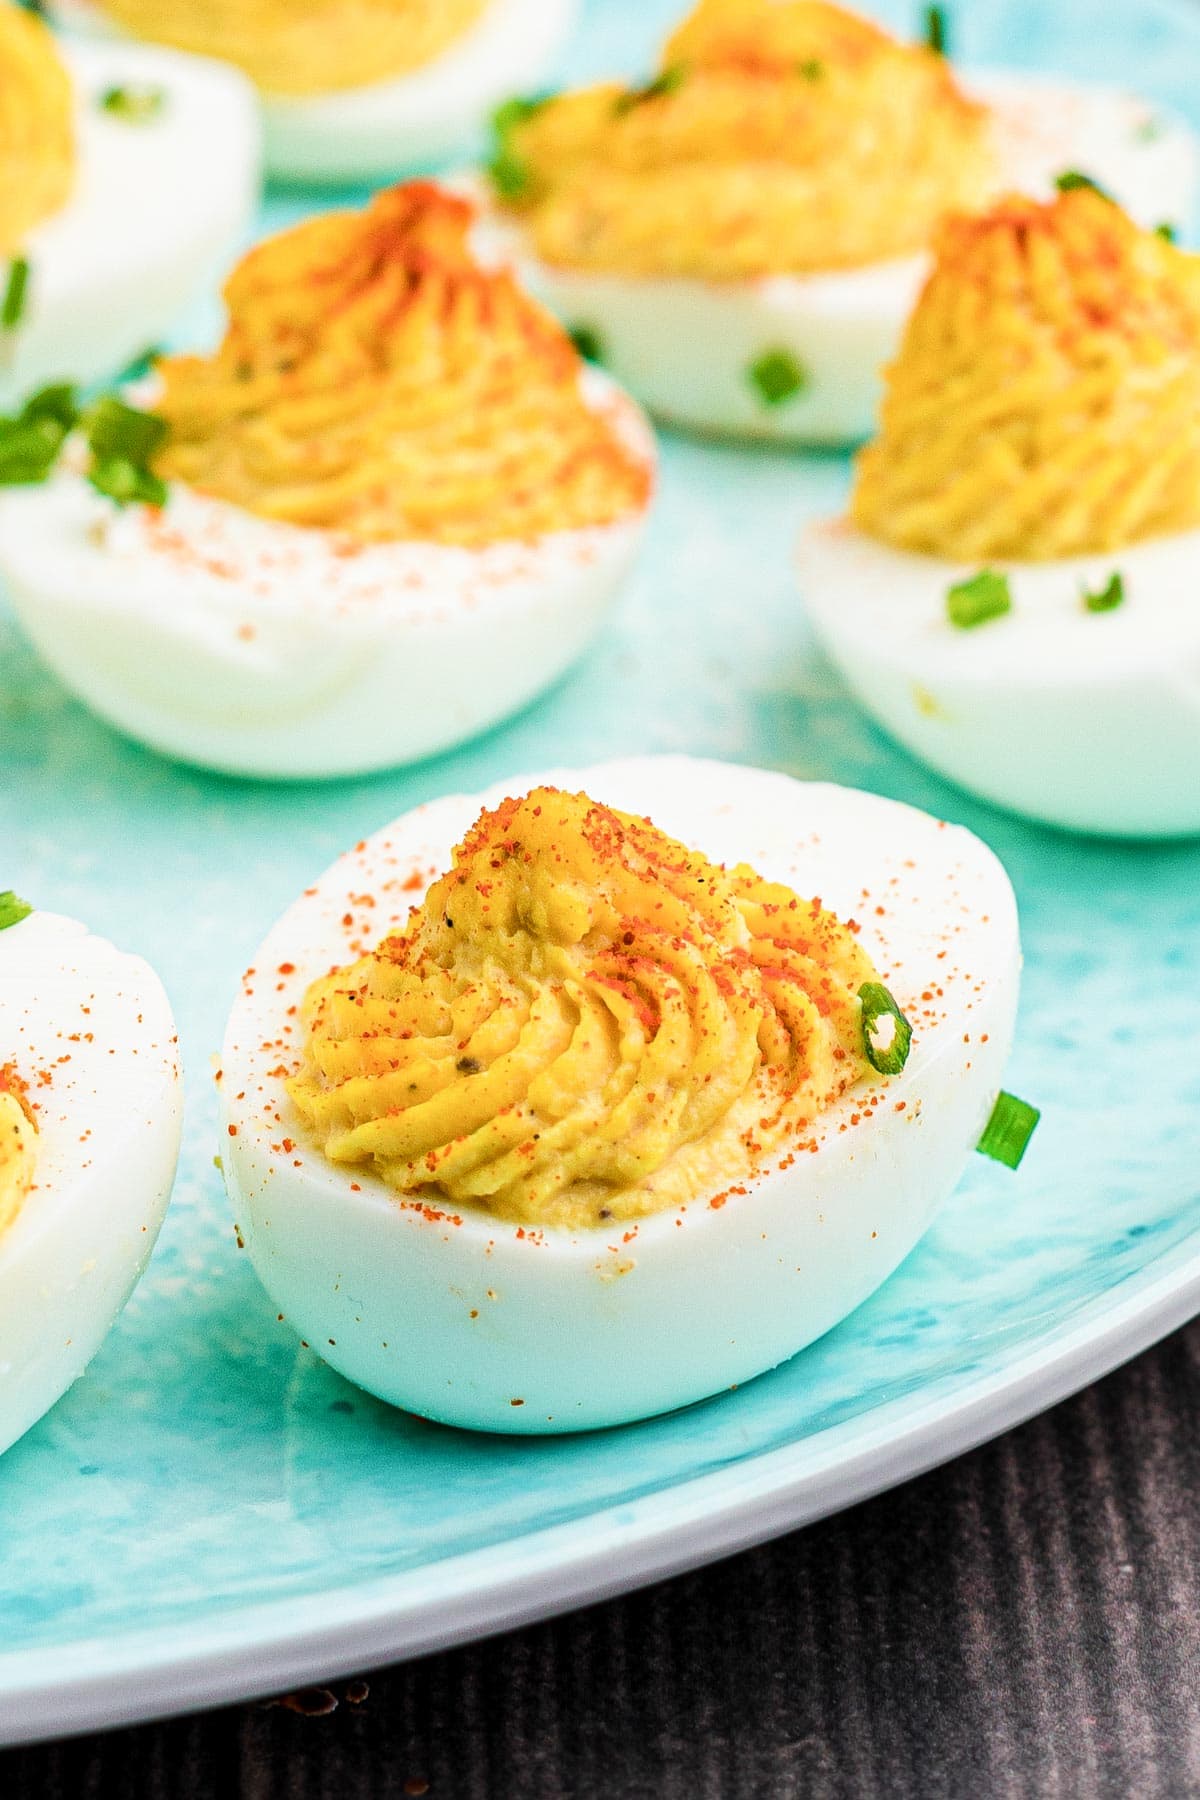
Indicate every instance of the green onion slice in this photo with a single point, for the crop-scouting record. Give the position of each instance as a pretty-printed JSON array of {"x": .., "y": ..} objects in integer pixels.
[
  {"x": 587, "y": 341},
  {"x": 777, "y": 376},
  {"x": 973, "y": 602},
  {"x": 115, "y": 429},
  {"x": 12, "y": 909},
  {"x": 1167, "y": 232},
  {"x": 57, "y": 404},
  {"x": 1007, "y": 1133},
  {"x": 517, "y": 110},
  {"x": 124, "y": 481},
  {"x": 887, "y": 1034},
  {"x": 133, "y": 105},
  {"x": 666, "y": 83},
  {"x": 1070, "y": 179},
  {"x": 12, "y": 307},
  {"x": 937, "y": 35},
  {"x": 1107, "y": 598},
  {"x": 510, "y": 175}
]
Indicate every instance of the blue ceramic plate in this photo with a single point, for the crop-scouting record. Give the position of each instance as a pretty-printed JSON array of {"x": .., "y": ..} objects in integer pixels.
[{"x": 211, "y": 1512}]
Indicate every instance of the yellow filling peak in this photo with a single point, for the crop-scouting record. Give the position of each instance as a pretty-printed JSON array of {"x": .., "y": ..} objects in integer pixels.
[
  {"x": 18, "y": 1146},
  {"x": 376, "y": 381},
  {"x": 585, "y": 1021},
  {"x": 305, "y": 46},
  {"x": 781, "y": 135},
  {"x": 1046, "y": 398},
  {"x": 37, "y": 133}
]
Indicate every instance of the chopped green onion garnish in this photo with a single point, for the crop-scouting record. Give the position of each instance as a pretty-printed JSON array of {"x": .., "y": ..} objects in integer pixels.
[
  {"x": 588, "y": 343},
  {"x": 936, "y": 34},
  {"x": 778, "y": 376},
  {"x": 12, "y": 910},
  {"x": 135, "y": 105},
  {"x": 812, "y": 70},
  {"x": 12, "y": 307},
  {"x": 1070, "y": 179},
  {"x": 510, "y": 175},
  {"x": 117, "y": 430},
  {"x": 516, "y": 111},
  {"x": 666, "y": 83},
  {"x": 1107, "y": 598},
  {"x": 123, "y": 481},
  {"x": 984, "y": 596},
  {"x": 141, "y": 365},
  {"x": 1007, "y": 1133},
  {"x": 58, "y": 403},
  {"x": 887, "y": 1034},
  {"x": 28, "y": 450},
  {"x": 1167, "y": 232}
]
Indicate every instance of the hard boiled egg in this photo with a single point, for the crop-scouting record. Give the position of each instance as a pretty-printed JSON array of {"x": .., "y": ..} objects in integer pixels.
[
  {"x": 469, "y": 543},
  {"x": 744, "y": 237},
  {"x": 387, "y": 125},
  {"x": 1011, "y": 592},
  {"x": 164, "y": 183},
  {"x": 90, "y": 1093},
  {"x": 456, "y": 1311}
]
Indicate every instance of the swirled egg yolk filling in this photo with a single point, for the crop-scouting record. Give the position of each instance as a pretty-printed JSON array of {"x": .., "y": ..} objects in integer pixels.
[
  {"x": 37, "y": 137},
  {"x": 777, "y": 138},
  {"x": 584, "y": 1021},
  {"x": 18, "y": 1146},
  {"x": 376, "y": 381},
  {"x": 1046, "y": 398},
  {"x": 305, "y": 46}
]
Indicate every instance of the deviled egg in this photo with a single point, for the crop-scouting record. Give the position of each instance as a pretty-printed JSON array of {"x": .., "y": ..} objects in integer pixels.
[
  {"x": 603, "y": 1112},
  {"x": 743, "y": 237},
  {"x": 1012, "y": 591},
  {"x": 355, "y": 89},
  {"x": 90, "y": 1111},
  {"x": 393, "y": 506},
  {"x": 127, "y": 176}
]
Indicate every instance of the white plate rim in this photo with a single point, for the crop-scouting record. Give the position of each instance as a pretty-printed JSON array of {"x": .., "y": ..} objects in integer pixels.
[{"x": 247, "y": 1652}]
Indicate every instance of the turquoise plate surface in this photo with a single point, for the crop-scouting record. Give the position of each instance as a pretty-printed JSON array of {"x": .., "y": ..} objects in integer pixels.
[{"x": 211, "y": 1512}]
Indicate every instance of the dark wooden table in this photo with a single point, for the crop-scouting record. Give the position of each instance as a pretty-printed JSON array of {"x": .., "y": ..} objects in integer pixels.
[{"x": 1025, "y": 1621}]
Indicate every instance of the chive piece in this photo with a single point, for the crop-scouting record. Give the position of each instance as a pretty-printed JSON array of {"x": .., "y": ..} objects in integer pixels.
[
  {"x": 133, "y": 105},
  {"x": 117, "y": 430},
  {"x": 1167, "y": 232},
  {"x": 811, "y": 69},
  {"x": 57, "y": 403},
  {"x": 12, "y": 307},
  {"x": 984, "y": 596},
  {"x": 121, "y": 480},
  {"x": 937, "y": 35},
  {"x": 777, "y": 376},
  {"x": 588, "y": 342},
  {"x": 1107, "y": 598},
  {"x": 12, "y": 909},
  {"x": 1072, "y": 179},
  {"x": 510, "y": 175},
  {"x": 516, "y": 111},
  {"x": 890, "y": 1055},
  {"x": 1007, "y": 1133},
  {"x": 666, "y": 83},
  {"x": 28, "y": 450}
]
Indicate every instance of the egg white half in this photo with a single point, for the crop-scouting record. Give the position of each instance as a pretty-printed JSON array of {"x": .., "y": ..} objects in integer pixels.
[
  {"x": 156, "y": 209},
  {"x": 257, "y": 648},
  {"x": 413, "y": 121},
  {"x": 459, "y": 1316},
  {"x": 90, "y": 1029},
  {"x": 1088, "y": 720},
  {"x": 685, "y": 347}
]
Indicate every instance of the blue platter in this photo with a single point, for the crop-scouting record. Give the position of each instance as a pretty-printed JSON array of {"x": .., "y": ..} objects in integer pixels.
[{"x": 211, "y": 1512}]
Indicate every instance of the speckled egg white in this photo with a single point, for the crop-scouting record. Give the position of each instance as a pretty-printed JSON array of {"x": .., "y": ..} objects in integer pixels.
[
  {"x": 686, "y": 347},
  {"x": 157, "y": 208},
  {"x": 413, "y": 121},
  {"x": 257, "y": 648},
  {"x": 90, "y": 1029},
  {"x": 1089, "y": 720},
  {"x": 463, "y": 1318}
]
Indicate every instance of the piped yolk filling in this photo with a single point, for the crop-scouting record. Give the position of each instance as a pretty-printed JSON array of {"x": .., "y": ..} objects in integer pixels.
[
  {"x": 305, "y": 46},
  {"x": 376, "y": 381},
  {"x": 18, "y": 1146},
  {"x": 584, "y": 1021},
  {"x": 776, "y": 138},
  {"x": 37, "y": 135},
  {"x": 1046, "y": 398}
]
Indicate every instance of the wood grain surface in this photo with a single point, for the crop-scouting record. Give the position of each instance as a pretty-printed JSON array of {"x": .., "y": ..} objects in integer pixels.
[{"x": 1025, "y": 1621}]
